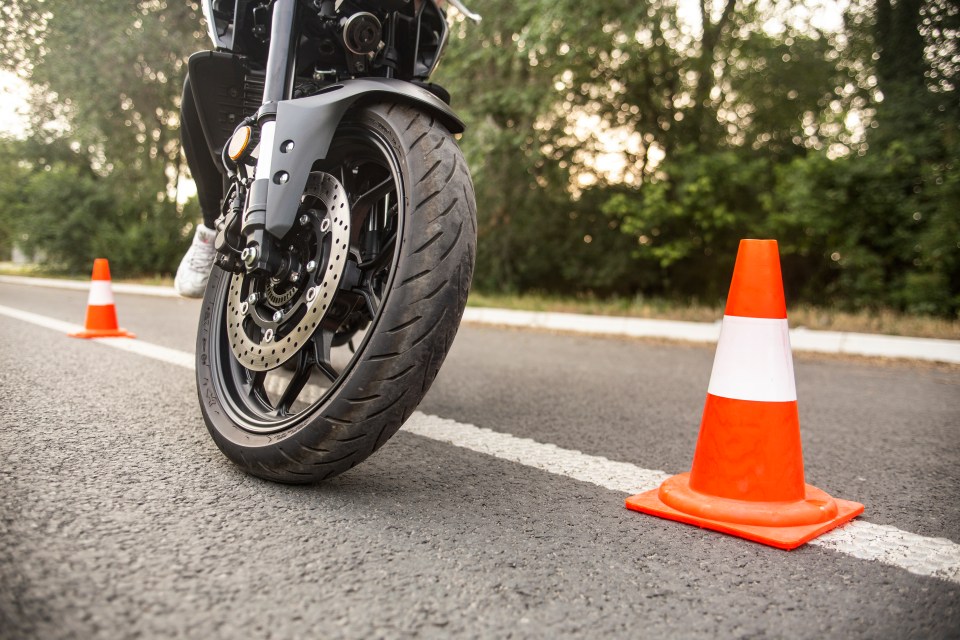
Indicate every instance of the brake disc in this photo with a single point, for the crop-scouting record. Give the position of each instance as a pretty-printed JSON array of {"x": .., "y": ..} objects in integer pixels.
[{"x": 260, "y": 339}]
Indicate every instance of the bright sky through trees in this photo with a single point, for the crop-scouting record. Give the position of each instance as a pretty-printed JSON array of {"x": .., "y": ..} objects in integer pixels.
[{"x": 13, "y": 103}]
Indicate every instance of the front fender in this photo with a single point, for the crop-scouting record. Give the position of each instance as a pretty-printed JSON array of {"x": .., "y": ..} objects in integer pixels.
[{"x": 310, "y": 124}]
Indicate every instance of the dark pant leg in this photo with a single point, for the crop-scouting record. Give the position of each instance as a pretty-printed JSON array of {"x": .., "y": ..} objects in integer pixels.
[{"x": 202, "y": 167}]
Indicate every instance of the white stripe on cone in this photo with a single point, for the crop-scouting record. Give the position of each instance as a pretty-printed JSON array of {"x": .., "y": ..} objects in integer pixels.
[
  {"x": 100, "y": 293},
  {"x": 753, "y": 361}
]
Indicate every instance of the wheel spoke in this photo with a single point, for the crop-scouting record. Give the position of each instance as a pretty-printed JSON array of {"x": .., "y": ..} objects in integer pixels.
[
  {"x": 322, "y": 344},
  {"x": 256, "y": 384},
  {"x": 373, "y": 194},
  {"x": 255, "y": 389},
  {"x": 371, "y": 299},
  {"x": 386, "y": 252},
  {"x": 300, "y": 378}
]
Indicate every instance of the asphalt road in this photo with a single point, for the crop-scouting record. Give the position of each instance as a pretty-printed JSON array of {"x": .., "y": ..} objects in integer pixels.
[{"x": 120, "y": 518}]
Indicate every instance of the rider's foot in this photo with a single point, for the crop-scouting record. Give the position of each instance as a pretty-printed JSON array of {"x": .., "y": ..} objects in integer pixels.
[{"x": 194, "y": 269}]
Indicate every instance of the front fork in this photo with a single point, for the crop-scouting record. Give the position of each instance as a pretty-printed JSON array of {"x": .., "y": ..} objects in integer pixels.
[
  {"x": 259, "y": 255},
  {"x": 289, "y": 146}
]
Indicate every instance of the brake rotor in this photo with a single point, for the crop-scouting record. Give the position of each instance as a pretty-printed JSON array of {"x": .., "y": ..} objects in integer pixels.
[{"x": 259, "y": 340}]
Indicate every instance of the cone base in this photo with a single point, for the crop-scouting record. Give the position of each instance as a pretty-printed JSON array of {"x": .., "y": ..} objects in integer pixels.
[
  {"x": 781, "y": 537},
  {"x": 102, "y": 333}
]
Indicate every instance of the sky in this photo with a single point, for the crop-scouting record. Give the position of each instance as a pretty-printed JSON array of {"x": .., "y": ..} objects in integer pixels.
[{"x": 13, "y": 92}]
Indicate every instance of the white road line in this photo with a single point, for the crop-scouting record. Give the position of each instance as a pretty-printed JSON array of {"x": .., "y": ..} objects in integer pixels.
[
  {"x": 155, "y": 351},
  {"x": 617, "y": 476},
  {"x": 76, "y": 285},
  {"x": 40, "y": 321},
  {"x": 917, "y": 554},
  {"x": 921, "y": 555},
  {"x": 802, "y": 339}
]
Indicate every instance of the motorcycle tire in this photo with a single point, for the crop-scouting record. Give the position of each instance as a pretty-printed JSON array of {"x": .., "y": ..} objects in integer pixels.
[{"x": 420, "y": 304}]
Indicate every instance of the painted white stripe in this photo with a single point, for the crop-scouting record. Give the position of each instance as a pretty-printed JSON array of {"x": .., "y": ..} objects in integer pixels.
[
  {"x": 100, "y": 293},
  {"x": 617, "y": 476},
  {"x": 753, "y": 361},
  {"x": 801, "y": 338},
  {"x": 921, "y": 555},
  {"x": 118, "y": 287},
  {"x": 937, "y": 557},
  {"x": 154, "y": 351},
  {"x": 40, "y": 321}
]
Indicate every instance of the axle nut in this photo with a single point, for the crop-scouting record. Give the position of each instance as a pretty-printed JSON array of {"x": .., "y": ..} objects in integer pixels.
[{"x": 249, "y": 256}]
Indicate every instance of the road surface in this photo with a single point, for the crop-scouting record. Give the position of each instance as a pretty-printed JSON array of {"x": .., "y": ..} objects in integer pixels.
[{"x": 120, "y": 518}]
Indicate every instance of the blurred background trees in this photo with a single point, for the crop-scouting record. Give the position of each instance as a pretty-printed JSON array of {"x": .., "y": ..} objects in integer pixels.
[
  {"x": 97, "y": 172},
  {"x": 618, "y": 147},
  {"x": 680, "y": 127}
]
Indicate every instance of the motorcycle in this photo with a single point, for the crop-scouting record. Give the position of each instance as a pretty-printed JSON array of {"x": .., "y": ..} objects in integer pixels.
[{"x": 347, "y": 234}]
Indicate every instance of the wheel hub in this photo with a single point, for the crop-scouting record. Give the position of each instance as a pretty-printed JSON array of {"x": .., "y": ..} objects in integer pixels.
[
  {"x": 278, "y": 298},
  {"x": 269, "y": 321}
]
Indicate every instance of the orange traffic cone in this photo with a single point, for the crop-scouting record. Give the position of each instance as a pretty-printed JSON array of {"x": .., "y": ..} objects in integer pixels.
[
  {"x": 101, "y": 313},
  {"x": 747, "y": 475}
]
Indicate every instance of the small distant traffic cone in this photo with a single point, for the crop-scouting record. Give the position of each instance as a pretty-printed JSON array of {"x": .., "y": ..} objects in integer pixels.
[
  {"x": 747, "y": 475},
  {"x": 101, "y": 313}
]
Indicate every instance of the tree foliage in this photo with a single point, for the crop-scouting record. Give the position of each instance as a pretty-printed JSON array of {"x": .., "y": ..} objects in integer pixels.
[
  {"x": 619, "y": 147},
  {"x": 106, "y": 78},
  {"x": 741, "y": 120},
  {"x": 59, "y": 206}
]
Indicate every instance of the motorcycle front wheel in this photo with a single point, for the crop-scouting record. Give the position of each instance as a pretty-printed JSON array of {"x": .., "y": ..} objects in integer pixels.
[{"x": 302, "y": 377}]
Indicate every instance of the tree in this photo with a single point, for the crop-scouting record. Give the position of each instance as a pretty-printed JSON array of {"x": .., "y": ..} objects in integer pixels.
[
  {"x": 59, "y": 204},
  {"x": 620, "y": 147},
  {"x": 689, "y": 221},
  {"x": 716, "y": 101},
  {"x": 503, "y": 92},
  {"x": 107, "y": 78},
  {"x": 12, "y": 177},
  {"x": 542, "y": 83},
  {"x": 109, "y": 71}
]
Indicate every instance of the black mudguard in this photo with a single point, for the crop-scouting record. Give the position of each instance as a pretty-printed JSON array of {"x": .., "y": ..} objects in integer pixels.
[{"x": 310, "y": 124}]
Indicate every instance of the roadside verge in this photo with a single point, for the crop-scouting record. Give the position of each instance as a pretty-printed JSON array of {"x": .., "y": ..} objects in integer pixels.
[{"x": 801, "y": 339}]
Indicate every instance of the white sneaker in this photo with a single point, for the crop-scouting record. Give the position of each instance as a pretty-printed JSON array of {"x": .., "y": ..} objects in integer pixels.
[{"x": 194, "y": 269}]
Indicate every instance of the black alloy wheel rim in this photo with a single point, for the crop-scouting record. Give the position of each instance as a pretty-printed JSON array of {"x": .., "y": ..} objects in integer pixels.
[{"x": 369, "y": 170}]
